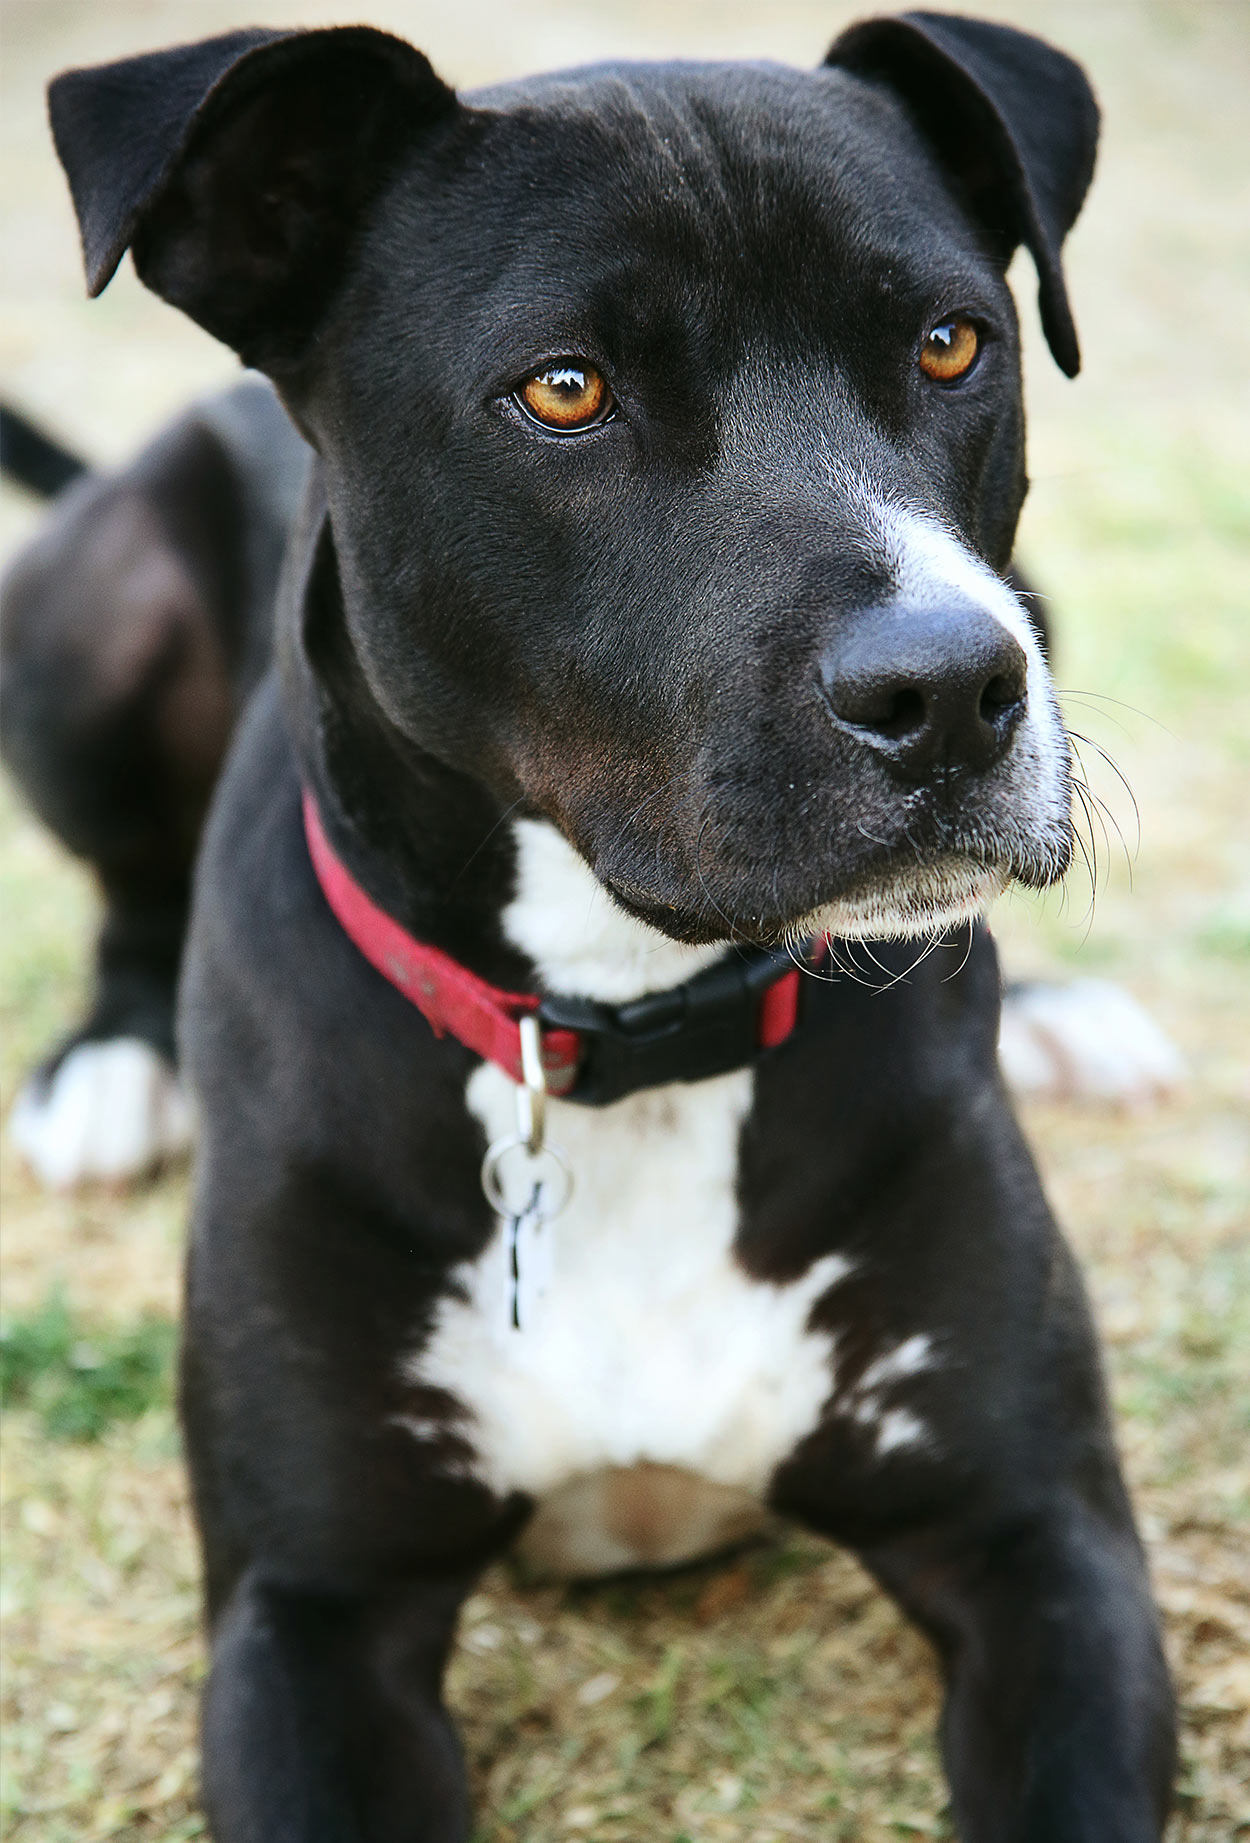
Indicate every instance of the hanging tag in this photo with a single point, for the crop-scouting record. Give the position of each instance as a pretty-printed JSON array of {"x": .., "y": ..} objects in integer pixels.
[
  {"x": 529, "y": 1260},
  {"x": 527, "y": 1191}
]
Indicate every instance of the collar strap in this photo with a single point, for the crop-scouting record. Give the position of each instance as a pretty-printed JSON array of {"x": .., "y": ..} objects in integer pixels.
[{"x": 720, "y": 1020}]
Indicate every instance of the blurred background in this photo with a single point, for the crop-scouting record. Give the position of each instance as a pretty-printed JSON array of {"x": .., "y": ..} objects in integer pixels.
[{"x": 778, "y": 1696}]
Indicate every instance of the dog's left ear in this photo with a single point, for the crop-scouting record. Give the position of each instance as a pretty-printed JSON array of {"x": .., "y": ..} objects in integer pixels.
[
  {"x": 240, "y": 168},
  {"x": 1012, "y": 119}
]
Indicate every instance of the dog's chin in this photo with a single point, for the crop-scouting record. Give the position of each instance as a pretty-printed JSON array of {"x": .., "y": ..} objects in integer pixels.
[
  {"x": 915, "y": 902},
  {"x": 912, "y": 902}
]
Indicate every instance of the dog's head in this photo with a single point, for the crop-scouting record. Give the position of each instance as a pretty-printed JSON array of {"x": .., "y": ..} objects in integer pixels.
[{"x": 670, "y": 426}]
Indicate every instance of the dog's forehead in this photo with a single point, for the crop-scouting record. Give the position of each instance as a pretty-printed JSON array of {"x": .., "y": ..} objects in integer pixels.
[
  {"x": 660, "y": 92},
  {"x": 704, "y": 134},
  {"x": 621, "y": 192},
  {"x": 663, "y": 95}
]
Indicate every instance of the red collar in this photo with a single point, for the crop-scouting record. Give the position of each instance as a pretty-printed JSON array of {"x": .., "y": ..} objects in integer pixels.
[{"x": 721, "y": 1019}]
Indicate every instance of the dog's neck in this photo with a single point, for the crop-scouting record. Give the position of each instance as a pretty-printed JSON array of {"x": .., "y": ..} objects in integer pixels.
[{"x": 454, "y": 864}]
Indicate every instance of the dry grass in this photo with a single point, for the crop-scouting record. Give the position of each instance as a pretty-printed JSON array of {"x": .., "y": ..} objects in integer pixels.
[{"x": 778, "y": 1697}]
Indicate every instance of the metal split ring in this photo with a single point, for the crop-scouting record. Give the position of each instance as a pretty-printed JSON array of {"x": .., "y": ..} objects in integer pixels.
[{"x": 544, "y": 1172}]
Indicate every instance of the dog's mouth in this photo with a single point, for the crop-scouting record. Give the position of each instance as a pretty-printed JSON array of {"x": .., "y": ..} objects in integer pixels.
[
  {"x": 915, "y": 902},
  {"x": 909, "y": 868},
  {"x": 925, "y": 896}
]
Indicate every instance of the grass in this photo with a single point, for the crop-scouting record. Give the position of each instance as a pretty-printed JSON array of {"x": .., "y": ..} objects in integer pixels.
[
  {"x": 76, "y": 1379},
  {"x": 778, "y": 1696}
]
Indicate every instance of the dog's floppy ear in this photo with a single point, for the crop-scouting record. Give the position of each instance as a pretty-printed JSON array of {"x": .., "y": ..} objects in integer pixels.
[
  {"x": 1013, "y": 120},
  {"x": 238, "y": 169}
]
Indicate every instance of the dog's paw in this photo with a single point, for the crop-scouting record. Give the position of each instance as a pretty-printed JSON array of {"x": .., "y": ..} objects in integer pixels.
[
  {"x": 109, "y": 1113},
  {"x": 1086, "y": 1041}
]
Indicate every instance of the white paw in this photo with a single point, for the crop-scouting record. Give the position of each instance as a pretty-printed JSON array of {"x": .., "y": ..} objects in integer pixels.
[
  {"x": 1086, "y": 1041},
  {"x": 111, "y": 1112}
]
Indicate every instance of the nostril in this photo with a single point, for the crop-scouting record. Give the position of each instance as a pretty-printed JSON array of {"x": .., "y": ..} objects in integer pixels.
[
  {"x": 887, "y": 709},
  {"x": 903, "y": 716},
  {"x": 1003, "y": 696}
]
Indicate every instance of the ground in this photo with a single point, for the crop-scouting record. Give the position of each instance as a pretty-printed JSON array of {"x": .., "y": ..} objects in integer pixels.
[{"x": 779, "y": 1696}]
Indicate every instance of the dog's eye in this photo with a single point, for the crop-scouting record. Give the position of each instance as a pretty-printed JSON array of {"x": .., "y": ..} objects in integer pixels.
[
  {"x": 950, "y": 350},
  {"x": 568, "y": 396}
]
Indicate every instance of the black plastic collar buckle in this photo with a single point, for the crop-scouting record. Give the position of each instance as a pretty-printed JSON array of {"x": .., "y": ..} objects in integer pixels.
[{"x": 707, "y": 1026}]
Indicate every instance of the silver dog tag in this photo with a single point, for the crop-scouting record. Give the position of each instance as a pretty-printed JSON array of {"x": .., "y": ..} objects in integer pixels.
[
  {"x": 528, "y": 1239},
  {"x": 527, "y": 1188}
]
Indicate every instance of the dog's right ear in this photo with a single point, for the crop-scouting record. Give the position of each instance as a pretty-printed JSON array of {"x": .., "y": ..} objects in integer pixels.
[{"x": 239, "y": 169}]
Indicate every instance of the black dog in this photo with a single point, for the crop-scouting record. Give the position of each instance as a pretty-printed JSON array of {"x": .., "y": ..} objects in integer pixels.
[{"x": 643, "y": 614}]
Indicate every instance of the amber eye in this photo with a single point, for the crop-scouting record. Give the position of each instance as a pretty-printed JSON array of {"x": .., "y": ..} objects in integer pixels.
[
  {"x": 567, "y": 396},
  {"x": 950, "y": 350}
]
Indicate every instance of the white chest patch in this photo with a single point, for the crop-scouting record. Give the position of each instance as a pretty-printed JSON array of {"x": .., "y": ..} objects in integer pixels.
[
  {"x": 649, "y": 1343},
  {"x": 649, "y": 1347}
]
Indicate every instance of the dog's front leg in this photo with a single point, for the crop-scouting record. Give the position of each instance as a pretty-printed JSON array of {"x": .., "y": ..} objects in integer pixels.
[
  {"x": 324, "y": 1721},
  {"x": 1058, "y": 1723}
]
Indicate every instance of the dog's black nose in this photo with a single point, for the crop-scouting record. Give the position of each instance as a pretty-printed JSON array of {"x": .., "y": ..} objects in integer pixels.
[{"x": 927, "y": 688}]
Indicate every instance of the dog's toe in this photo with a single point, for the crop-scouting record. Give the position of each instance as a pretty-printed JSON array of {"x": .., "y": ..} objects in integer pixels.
[
  {"x": 109, "y": 1113},
  {"x": 1086, "y": 1041}
]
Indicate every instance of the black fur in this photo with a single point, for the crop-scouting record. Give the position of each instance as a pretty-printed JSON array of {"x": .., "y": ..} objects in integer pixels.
[
  {"x": 619, "y": 633},
  {"x": 1013, "y": 119},
  {"x": 134, "y": 626},
  {"x": 251, "y": 237}
]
